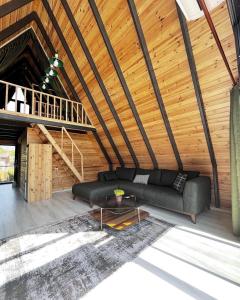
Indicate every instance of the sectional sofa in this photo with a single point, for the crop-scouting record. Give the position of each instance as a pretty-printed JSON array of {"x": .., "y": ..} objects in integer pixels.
[{"x": 157, "y": 191}]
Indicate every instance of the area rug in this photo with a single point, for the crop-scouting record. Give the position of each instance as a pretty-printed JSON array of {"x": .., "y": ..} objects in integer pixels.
[{"x": 67, "y": 259}]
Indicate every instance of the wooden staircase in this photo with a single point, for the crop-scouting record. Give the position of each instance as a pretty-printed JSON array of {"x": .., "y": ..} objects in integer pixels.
[{"x": 59, "y": 154}]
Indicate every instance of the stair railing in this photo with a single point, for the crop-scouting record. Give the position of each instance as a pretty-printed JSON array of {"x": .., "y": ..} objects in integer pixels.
[{"x": 73, "y": 145}]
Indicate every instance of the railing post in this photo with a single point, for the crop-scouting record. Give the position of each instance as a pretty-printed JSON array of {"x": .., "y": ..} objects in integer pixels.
[
  {"x": 6, "y": 97},
  {"x": 54, "y": 107},
  {"x": 40, "y": 106},
  {"x": 25, "y": 100},
  {"x": 77, "y": 113},
  {"x": 33, "y": 103},
  {"x": 47, "y": 106},
  {"x": 66, "y": 110},
  {"x": 60, "y": 112}
]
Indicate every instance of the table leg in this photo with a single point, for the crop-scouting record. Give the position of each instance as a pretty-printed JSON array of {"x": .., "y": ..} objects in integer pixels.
[
  {"x": 138, "y": 212},
  {"x": 101, "y": 212}
]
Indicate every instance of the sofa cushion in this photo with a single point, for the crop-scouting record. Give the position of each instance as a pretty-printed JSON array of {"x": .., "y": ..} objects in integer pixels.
[
  {"x": 141, "y": 179},
  {"x": 125, "y": 173},
  {"x": 168, "y": 177},
  {"x": 111, "y": 175},
  {"x": 162, "y": 196},
  {"x": 179, "y": 182},
  {"x": 191, "y": 174},
  {"x": 155, "y": 177},
  {"x": 94, "y": 191}
]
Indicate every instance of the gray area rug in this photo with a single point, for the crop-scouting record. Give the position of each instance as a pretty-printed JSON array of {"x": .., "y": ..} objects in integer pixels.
[{"x": 67, "y": 259}]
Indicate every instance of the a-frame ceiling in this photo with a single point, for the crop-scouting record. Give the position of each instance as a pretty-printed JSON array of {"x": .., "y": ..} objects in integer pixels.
[{"x": 127, "y": 62}]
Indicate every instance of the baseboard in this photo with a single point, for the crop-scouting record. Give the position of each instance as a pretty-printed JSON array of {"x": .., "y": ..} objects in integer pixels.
[
  {"x": 225, "y": 210},
  {"x": 66, "y": 190}
]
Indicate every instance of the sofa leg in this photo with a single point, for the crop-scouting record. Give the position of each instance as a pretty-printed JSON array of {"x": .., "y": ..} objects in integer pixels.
[
  {"x": 74, "y": 197},
  {"x": 91, "y": 204},
  {"x": 193, "y": 217}
]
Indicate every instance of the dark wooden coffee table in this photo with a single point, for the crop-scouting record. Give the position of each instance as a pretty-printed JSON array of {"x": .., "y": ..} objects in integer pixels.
[{"x": 119, "y": 215}]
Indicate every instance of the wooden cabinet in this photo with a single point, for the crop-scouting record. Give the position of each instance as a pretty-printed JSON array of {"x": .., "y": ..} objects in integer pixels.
[{"x": 39, "y": 172}]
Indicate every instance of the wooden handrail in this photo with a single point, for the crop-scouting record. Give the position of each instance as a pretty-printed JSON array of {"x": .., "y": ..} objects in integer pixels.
[
  {"x": 73, "y": 145},
  {"x": 73, "y": 109}
]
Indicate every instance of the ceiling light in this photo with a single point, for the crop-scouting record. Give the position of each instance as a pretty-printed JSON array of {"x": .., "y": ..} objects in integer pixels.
[{"x": 55, "y": 61}]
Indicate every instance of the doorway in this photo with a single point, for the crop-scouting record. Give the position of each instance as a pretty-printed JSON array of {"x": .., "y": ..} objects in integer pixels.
[{"x": 7, "y": 164}]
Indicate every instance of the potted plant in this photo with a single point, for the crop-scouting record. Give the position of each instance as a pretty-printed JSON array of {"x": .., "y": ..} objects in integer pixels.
[{"x": 119, "y": 193}]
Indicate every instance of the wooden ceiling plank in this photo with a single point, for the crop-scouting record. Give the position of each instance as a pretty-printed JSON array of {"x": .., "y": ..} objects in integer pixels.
[
  {"x": 9, "y": 7},
  {"x": 81, "y": 79},
  {"x": 122, "y": 80},
  {"x": 198, "y": 92},
  {"x": 154, "y": 82},
  {"x": 99, "y": 79}
]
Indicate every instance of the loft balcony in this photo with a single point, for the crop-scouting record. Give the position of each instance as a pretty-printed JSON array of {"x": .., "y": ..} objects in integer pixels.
[{"x": 28, "y": 105}]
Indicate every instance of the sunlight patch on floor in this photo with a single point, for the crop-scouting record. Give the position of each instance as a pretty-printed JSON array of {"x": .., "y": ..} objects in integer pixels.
[
  {"x": 179, "y": 265},
  {"x": 214, "y": 255},
  {"x": 25, "y": 263},
  {"x": 25, "y": 243}
]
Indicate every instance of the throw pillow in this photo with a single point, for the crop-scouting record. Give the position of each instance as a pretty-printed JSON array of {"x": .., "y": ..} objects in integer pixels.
[
  {"x": 111, "y": 175},
  {"x": 125, "y": 173},
  {"x": 179, "y": 182},
  {"x": 168, "y": 177},
  {"x": 155, "y": 177},
  {"x": 141, "y": 179}
]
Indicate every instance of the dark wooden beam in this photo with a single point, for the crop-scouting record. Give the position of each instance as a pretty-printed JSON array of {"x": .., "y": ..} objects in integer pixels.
[
  {"x": 217, "y": 40},
  {"x": 99, "y": 79},
  {"x": 10, "y": 6},
  {"x": 197, "y": 88},
  {"x": 122, "y": 80},
  {"x": 21, "y": 24},
  {"x": 154, "y": 81},
  {"x": 81, "y": 79}
]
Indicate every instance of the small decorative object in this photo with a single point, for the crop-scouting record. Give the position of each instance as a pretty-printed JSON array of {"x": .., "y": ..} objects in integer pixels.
[{"x": 119, "y": 193}]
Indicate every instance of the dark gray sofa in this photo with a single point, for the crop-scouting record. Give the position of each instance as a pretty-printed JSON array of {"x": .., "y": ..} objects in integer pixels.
[{"x": 159, "y": 192}]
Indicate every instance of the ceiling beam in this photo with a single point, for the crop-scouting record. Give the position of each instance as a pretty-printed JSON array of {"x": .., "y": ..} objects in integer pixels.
[
  {"x": 217, "y": 40},
  {"x": 20, "y": 25},
  {"x": 122, "y": 81},
  {"x": 81, "y": 79},
  {"x": 99, "y": 80},
  {"x": 154, "y": 81},
  {"x": 199, "y": 98},
  {"x": 11, "y": 6}
]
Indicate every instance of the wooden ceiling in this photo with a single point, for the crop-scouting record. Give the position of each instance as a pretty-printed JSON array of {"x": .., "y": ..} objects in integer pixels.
[{"x": 127, "y": 62}]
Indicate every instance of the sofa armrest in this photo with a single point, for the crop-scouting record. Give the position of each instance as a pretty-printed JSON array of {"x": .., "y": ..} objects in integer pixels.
[{"x": 197, "y": 194}]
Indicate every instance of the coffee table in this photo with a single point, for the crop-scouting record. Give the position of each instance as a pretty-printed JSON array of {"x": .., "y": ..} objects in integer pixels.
[{"x": 119, "y": 215}]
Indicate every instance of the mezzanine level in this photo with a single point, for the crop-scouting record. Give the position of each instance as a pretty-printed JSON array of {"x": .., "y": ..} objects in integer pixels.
[{"x": 29, "y": 105}]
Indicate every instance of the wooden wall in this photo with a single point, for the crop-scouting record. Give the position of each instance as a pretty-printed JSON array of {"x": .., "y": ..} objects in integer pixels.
[
  {"x": 165, "y": 44},
  {"x": 94, "y": 161}
]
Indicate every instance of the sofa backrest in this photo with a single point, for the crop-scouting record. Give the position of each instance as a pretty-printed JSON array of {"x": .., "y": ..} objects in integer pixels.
[{"x": 161, "y": 177}]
